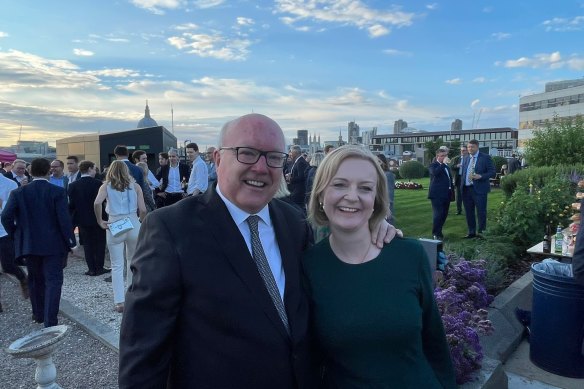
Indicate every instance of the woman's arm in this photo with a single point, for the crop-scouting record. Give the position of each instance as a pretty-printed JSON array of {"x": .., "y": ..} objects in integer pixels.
[
  {"x": 97, "y": 204},
  {"x": 141, "y": 205}
]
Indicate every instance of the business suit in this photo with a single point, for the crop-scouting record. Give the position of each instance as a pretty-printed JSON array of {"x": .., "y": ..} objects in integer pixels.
[
  {"x": 297, "y": 181},
  {"x": 135, "y": 172},
  {"x": 11, "y": 176},
  {"x": 199, "y": 314},
  {"x": 162, "y": 176},
  {"x": 44, "y": 237},
  {"x": 439, "y": 195},
  {"x": 457, "y": 181},
  {"x": 82, "y": 194},
  {"x": 474, "y": 196}
]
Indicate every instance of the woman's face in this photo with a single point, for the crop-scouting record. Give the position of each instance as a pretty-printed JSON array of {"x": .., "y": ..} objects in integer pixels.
[{"x": 349, "y": 197}]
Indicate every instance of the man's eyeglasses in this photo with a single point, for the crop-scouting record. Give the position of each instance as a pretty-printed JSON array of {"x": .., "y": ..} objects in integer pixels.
[{"x": 250, "y": 156}]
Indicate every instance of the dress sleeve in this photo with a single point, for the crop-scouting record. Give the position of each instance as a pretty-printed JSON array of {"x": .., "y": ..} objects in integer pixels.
[{"x": 436, "y": 348}]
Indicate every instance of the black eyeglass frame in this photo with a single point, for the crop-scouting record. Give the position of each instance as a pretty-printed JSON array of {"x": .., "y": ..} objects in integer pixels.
[{"x": 260, "y": 154}]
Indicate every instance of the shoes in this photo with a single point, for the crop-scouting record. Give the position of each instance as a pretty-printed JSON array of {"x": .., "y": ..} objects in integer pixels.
[
  {"x": 35, "y": 320},
  {"x": 119, "y": 307},
  {"x": 1, "y": 310},
  {"x": 24, "y": 289},
  {"x": 108, "y": 279},
  {"x": 437, "y": 237},
  {"x": 102, "y": 271},
  {"x": 90, "y": 273},
  {"x": 470, "y": 236},
  {"x": 459, "y": 212}
]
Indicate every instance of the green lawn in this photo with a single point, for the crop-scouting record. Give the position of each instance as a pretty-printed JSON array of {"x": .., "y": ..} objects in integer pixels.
[{"x": 413, "y": 213}]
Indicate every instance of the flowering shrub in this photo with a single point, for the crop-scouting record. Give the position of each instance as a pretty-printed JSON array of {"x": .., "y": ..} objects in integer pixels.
[
  {"x": 408, "y": 185},
  {"x": 462, "y": 300}
]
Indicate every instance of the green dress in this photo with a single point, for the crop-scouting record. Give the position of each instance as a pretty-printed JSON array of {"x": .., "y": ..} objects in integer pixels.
[{"x": 377, "y": 323}]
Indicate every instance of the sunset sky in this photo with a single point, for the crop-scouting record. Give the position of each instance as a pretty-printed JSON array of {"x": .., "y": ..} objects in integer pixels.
[{"x": 74, "y": 67}]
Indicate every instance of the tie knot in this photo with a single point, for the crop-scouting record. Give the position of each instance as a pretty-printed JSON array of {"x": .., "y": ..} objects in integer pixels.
[{"x": 252, "y": 221}]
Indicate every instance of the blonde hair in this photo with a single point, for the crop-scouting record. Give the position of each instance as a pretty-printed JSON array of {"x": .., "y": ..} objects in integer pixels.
[
  {"x": 327, "y": 170},
  {"x": 118, "y": 176},
  {"x": 144, "y": 167}
]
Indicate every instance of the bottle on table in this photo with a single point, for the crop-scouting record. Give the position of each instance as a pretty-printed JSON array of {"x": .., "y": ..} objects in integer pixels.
[
  {"x": 184, "y": 184},
  {"x": 547, "y": 240},
  {"x": 559, "y": 241}
]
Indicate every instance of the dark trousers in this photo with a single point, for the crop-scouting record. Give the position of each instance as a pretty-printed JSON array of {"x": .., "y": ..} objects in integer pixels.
[
  {"x": 474, "y": 201},
  {"x": 45, "y": 279},
  {"x": 93, "y": 247},
  {"x": 172, "y": 198},
  {"x": 459, "y": 198},
  {"x": 7, "y": 259},
  {"x": 440, "y": 209}
]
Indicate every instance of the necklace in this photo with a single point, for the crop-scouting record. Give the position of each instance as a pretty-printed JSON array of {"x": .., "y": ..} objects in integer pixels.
[{"x": 348, "y": 257}]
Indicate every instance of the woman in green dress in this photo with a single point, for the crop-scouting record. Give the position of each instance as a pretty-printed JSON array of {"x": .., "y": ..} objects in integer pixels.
[{"x": 373, "y": 310}]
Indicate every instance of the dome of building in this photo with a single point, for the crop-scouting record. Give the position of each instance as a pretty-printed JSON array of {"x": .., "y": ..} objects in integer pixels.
[{"x": 147, "y": 121}]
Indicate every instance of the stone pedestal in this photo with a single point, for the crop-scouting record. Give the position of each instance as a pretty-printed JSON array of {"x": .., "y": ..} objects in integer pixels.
[{"x": 40, "y": 345}]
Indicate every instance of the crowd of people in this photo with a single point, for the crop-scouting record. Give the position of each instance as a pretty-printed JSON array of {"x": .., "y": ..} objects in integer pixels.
[{"x": 226, "y": 287}]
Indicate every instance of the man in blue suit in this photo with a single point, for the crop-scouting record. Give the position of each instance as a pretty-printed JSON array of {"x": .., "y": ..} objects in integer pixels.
[
  {"x": 439, "y": 192},
  {"x": 36, "y": 217},
  {"x": 121, "y": 153},
  {"x": 477, "y": 169}
]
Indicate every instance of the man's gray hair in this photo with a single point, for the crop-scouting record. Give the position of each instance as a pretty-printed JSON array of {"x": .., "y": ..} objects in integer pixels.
[
  {"x": 172, "y": 150},
  {"x": 296, "y": 148}
]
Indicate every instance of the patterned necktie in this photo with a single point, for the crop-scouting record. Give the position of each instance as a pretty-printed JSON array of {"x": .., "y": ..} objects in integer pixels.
[
  {"x": 264, "y": 269},
  {"x": 470, "y": 170}
]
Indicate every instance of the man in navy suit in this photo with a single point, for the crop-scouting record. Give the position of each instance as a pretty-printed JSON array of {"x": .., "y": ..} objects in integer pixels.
[
  {"x": 121, "y": 153},
  {"x": 439, "y": 192},
  {"x": 477, "y": 169},
  {"x": 82, "y": 194},
  {"x": 36, "y": 216},
  {"x": 296, "y": 178}
]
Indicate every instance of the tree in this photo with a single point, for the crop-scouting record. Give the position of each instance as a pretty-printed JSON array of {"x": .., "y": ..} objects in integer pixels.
[
  {"x": 433, "y": 145},
  {"x": 412, "y": 170},
  {"x": 560, "y": 143}
]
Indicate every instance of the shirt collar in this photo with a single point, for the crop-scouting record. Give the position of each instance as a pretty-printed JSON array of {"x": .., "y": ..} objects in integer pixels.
[
  {"x": 239, "y": 216},
  {"x": 40, "y": 179}
]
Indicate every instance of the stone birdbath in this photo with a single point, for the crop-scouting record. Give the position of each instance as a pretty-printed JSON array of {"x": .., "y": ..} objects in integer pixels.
[{"x": 40, "y": 345}]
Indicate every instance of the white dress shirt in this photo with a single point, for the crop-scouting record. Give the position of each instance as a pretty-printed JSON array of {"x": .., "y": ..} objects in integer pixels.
[
  {"x": 267, "y": 236},
  {"x": 199, "y": 178},
  {"x": 6, "y": 186}
]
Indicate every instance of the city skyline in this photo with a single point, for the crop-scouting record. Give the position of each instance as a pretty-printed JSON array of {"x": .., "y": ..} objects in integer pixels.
[{"x": 71, "y": 68}]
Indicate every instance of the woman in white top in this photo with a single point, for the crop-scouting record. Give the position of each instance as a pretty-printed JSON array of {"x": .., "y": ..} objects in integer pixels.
[{"x": 124, "y": 197}]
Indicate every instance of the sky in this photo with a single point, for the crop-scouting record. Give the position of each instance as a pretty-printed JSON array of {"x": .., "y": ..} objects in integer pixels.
[{"x": 78, "y": 67}]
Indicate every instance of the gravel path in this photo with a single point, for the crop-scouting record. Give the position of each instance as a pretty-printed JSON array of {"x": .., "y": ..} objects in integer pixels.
[{"x": 81, "y": 361}]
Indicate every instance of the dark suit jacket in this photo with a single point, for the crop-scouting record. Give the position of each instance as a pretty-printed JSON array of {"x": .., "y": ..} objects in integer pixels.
[
  {"x": 136, "y": 172},
  {"x": 162, "y": 175},
  {"x": 82, "y": 194},
  {"x": 10, "y": 176},
  {"x": 198, "y": 313},
  {"x": 483, "y": 166},
  {"x": 454, "y": 170},
  {"x": 297, "y": 183},
  {"x": 440, "y": 182},
  {"x": 36, "y": 216}
]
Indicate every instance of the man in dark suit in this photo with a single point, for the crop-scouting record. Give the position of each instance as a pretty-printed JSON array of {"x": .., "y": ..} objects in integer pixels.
[
  {"x": 18, "y": 173},
  {"x": 456, "y": 170},
  {"x": 439, "y": 192},
  {"x": 82, "y": 194},
  {"x": 171, "y": 177},
  {"x": 477, "y": 169},
  {"x": 121, "y": 153},
  {"x": 199, "y": 312},
  {"x": 73, "y": 168},
  {"x": 36, "y": 216},
  {"x": 296, "y": 177}
]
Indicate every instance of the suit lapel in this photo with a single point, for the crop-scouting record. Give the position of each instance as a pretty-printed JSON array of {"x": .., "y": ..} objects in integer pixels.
[
  {"x": 290, "y": 262},
  {"x": 237, "y": 253}
]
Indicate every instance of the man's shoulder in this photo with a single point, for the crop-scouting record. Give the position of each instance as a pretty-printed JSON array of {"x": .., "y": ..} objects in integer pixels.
[{"x": 7, "y": 182}]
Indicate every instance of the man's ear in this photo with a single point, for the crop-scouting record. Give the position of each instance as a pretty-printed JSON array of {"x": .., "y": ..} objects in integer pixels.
[{"x": 216, "y": 157}]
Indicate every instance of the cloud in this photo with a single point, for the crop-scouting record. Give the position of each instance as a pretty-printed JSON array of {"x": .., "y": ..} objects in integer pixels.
[
  {"x": 186, "y": 27},
  {"x": 207, "y": 3},
  {"x": 432, "y": 6},
  {"x": 551, "y": 61},
  {"x": 157, "y": 6},
  {"x": 344, "y": 12},
  {"x": 83, "y": 53},
  {"x": 245, "y": 21},
  {"x": 454, "y": 81},
  {"x": 118, "y": 40},
  {"x": 397, "y": 53},
  {"x": 488, "y": 9},
  {"x": 479, "y": 80},
  {"x": 212, "y": 45},
  {"x": 3, "y": 34},
  {"x": 118, "y": 73},
  {"x": 500, "y": 36},
  {"x": 564, "y": 24},
  {"x": 474, "y": 103}
]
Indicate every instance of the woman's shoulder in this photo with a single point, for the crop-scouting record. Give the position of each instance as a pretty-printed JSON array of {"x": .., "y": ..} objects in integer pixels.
[
  {"x": 316, "y": 252},
  {"x": 408, "y": 249}
]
